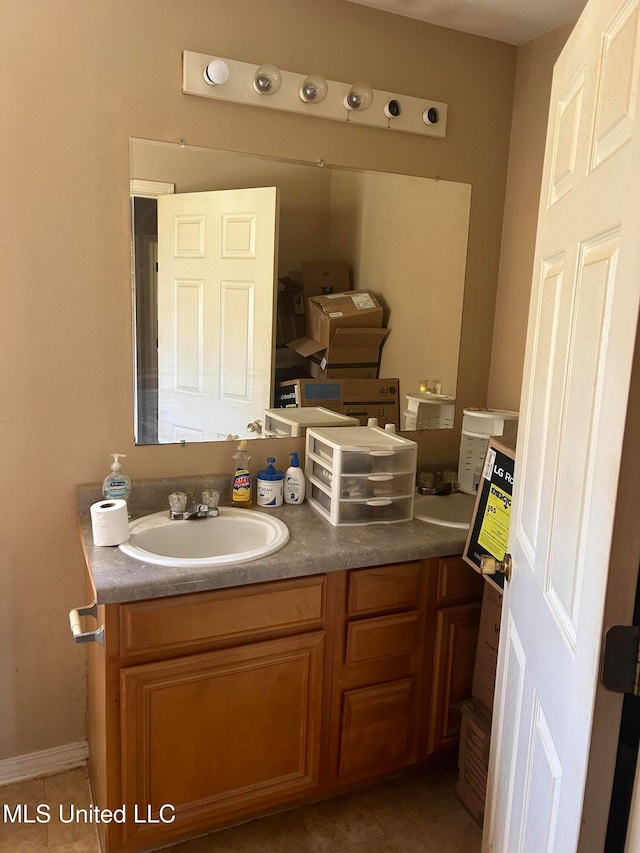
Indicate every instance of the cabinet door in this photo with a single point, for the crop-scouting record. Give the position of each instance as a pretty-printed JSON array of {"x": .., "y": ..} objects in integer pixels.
[
  {"x": 455, "y": 653},
  {"x": 221, "y": 734},
  {"x": 377, "y": 730}
]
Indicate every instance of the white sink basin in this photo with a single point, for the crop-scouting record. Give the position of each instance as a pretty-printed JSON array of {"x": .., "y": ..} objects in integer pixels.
[
  {"x": 234, "y": 536},
  {"x": 453, "y": 510}
]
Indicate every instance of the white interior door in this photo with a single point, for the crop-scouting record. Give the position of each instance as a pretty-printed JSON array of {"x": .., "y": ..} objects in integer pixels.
[
  {"x": 581, "y": 336},
  {"x": 217, "y": 261}
]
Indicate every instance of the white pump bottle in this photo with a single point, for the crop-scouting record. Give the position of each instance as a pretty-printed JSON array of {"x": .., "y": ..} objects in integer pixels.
[{"x": 294, "y": 484}]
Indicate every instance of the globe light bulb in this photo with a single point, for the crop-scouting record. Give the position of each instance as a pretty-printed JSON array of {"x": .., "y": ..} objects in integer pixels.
[
  {"x": 216, "y": 72},
  {"x": 314, "y": 89},
  {"x": 267, "y": 80},
  {"x": 359, "y": 97}
]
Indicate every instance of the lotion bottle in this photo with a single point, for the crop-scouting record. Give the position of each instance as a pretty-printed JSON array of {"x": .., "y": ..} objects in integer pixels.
[
  {"x": 294, "y": 484},
  {"x": 116, "y": 484},
  {"x": 270, "y": 484}
]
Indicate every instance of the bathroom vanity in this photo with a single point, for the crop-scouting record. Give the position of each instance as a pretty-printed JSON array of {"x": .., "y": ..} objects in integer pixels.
[{"x": 224, "y": 700}]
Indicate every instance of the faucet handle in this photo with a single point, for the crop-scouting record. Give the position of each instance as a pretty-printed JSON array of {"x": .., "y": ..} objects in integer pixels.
[
  {"x": 211, "y": 497},
  {"x": 177, "y": 502}
]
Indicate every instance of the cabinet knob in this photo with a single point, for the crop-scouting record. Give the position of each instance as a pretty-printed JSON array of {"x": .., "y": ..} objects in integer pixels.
[{"x": 490, "y": 566}]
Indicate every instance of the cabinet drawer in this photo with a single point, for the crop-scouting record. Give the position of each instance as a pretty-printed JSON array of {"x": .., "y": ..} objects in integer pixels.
[
  {"x": 383, "y": 637},
  {"x": 232, "y": 614},
  {"x": 383, "y": 588},
  {"x": 457, "y": 582}
]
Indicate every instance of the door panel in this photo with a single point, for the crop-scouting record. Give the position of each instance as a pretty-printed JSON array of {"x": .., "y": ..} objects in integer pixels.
[{"x": 580, "y": 344}]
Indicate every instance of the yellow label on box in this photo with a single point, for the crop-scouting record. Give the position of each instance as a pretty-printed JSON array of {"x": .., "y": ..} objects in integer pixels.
[{"x": 494, "y": 533}]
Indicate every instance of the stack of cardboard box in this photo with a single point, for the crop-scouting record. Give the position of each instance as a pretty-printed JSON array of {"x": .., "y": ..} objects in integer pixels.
[
  {"x": 336, "y": 331},
  {"x": 473, "y": 757}
]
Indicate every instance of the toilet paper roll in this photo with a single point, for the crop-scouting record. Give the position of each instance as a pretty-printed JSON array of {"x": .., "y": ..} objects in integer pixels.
[{"x": 110, "y": 522}]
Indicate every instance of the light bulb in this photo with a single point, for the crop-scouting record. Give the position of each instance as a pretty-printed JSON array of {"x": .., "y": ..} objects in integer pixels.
[
  {"x": 314, "y": 89},
  {"x": 216, "y": 72},
  {"x": 267, "y": 80},
  {"x": 359, "y": 97},
  {"x": 431, "y": 116}
]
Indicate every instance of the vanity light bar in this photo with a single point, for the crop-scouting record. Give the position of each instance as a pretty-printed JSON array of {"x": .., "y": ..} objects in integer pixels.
[{"x": 229, "y": 80}]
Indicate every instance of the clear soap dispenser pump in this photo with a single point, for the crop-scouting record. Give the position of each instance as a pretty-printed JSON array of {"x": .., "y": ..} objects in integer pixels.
[{"x": 116, "y": 484}]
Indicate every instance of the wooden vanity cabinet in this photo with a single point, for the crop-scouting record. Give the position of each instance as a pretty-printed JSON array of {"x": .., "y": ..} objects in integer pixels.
[{"x": 238, "y": 702}]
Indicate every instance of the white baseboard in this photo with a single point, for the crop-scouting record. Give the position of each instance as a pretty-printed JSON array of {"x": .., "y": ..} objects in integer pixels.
[{"x": 44, "y": 763}]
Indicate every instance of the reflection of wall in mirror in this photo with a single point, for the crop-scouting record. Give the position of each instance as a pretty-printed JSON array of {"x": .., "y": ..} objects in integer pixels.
[{"x": 406, "y": 240}]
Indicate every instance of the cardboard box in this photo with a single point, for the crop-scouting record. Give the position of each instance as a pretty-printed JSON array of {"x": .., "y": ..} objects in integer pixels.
[
  {"x": 380, "y": 391},
  {"x": 320, "y": 277},
  {"x": 484, "y": 673},
  {"x": 360, "y": 398},
  {"x": 319, "y": 369},
  {"x": 343, "y": 331},
  {"x": 370, "y": 398},
  {"x": 309, "y": 392},
  {"x": 386, "y": 413},
  {"x": 327, "y": 314},
  {"x": 473, "y": 758},
  {"x": 350, "y": 348}
]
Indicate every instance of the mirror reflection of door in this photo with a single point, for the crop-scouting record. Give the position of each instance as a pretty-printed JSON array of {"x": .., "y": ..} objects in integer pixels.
[{"x": 217, "y": 263}]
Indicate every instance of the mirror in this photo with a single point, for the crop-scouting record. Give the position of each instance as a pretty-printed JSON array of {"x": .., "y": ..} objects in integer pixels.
[{"x": 404, "y": 239}]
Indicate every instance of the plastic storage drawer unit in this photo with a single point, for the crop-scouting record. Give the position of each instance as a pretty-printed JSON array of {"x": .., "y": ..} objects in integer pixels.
[
  {"x": 429, "y": 411},
  {"x": 294, "y": 422},
  {"x": 360, "y": 476}
]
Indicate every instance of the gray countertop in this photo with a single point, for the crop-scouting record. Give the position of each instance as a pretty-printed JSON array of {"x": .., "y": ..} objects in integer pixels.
[{"x": 314, "y": 547}]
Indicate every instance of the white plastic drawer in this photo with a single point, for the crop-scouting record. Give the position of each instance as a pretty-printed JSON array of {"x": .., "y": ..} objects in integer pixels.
[
  {"x": 376, "y": 485},
  {"x": 360, "y": 486},
  {"x": 378, "y": 510},
  {"x": 319, "y": 471},
  {"x": 363, "y": 461}
]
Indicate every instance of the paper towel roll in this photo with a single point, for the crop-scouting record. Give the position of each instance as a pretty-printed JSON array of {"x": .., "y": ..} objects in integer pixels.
[{"x": 110, "y": 522}]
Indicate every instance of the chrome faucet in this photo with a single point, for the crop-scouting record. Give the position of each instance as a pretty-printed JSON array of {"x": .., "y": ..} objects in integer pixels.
[
  {"x": 442, "y": 488},
  {"x": 207, "y": 509},
  {"x": 196, "y": 511}
]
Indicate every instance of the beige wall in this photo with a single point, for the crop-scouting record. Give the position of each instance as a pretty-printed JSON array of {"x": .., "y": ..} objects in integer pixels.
[
  {"x": 526, "y": 155},
  {"x": 82, "y": 77}
]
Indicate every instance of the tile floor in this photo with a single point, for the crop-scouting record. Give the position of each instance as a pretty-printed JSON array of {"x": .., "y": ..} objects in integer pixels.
[{"x": 417, "y": 813}]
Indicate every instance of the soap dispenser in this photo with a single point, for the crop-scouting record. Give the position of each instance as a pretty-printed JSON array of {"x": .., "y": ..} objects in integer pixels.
[
  {"x": 294, "y": 485},
  {"x": 116, "y": 484}
]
